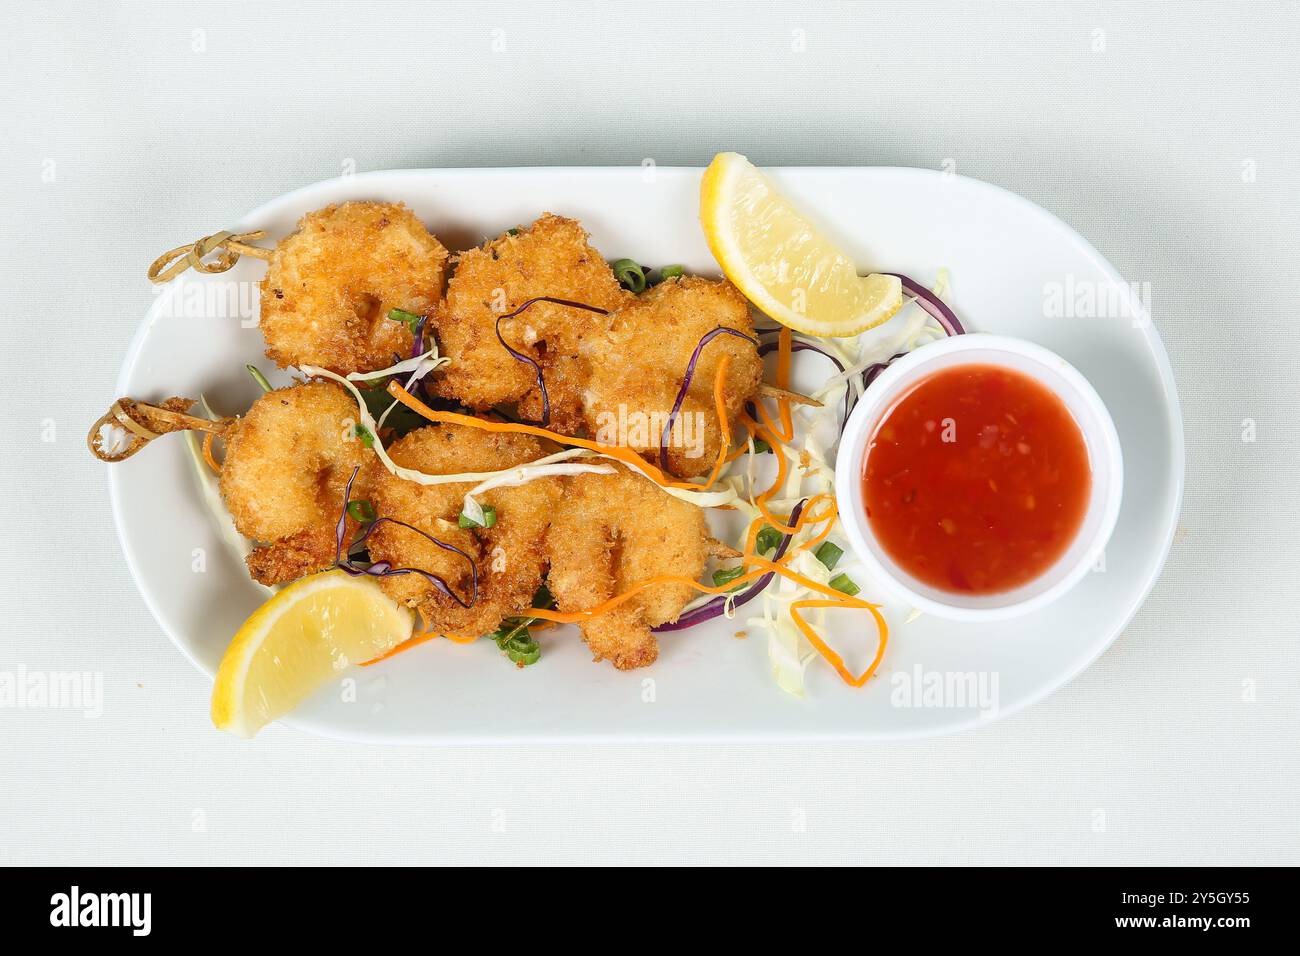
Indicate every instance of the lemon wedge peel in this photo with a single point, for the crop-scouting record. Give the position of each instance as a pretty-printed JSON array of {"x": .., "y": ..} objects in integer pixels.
[
  {"x": 296, "y": 641},
  {"x": 781, "y": 262}
]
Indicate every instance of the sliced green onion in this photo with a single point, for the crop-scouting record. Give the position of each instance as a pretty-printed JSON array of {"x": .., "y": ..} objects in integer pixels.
[
  {"x": 727, "y": 575},
  {"x": 258, "y": 377},
  {"x": 829, "y": 554},
  {"x": 767, "y": 540},
  {"x": 512, "y": 232},
  {"x": 522, "y": 649},
  {"x": 361, "y": 510},
  {"x": 489, "y": 519},
  {"x": 513, "y": 638},
  {"x": 844, "y": 584},
  {"x": 363, "y": 433},
  {"x": 671, "y": 272},
  {"x": 761, "y": 447},
  {"x": 630, "y": 275},
  {"x": 408, "y": 319}
]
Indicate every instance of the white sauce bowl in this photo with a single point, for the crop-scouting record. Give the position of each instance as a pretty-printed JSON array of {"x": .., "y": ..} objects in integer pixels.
[{"x": 1063, "y": 380}]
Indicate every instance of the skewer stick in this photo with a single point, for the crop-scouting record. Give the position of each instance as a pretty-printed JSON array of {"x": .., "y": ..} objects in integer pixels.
[
  {"x": 143, "y": 423},
  {"x": 231, "y": 245},
  {"x": 773, "y": 391}
]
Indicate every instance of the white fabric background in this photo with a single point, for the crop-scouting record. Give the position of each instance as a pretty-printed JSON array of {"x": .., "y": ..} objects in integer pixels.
[{"x": 165, "y": 121}]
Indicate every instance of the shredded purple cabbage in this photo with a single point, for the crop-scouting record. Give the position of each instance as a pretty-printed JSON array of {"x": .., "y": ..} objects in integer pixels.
[
  {"x": 418, "y": 347},
  {"x": 384, "y": 569},
  {"x": 717, "y": 606},
  {"x": 932, "y": 304},
  {"x": 528, "y": 360},
  {"x": 686, "y": 384},
  {"x": 798, "y": 346}
]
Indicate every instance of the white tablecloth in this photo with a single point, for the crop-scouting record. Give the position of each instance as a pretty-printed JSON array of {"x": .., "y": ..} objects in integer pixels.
[{"x": 1165, "y": 133}]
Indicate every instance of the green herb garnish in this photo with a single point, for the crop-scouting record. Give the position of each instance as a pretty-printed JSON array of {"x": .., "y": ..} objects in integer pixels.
[
  {"x": 408, "y": 319},
  {"x": 489, "y": 519},
  {"x": 630, "y": 275},
  {"x": 513, "y": 639},
  {"x": 767, "y": 540},
  {"x": 363, "y": 433},
  {"x": 727, "y": 575},
  {"x": 361, "y": 510},
  {"x": 829, "y": 554},
  {"x": 844, "y": 584},
  {"x": 258, "y": 377},
  {"x": 523, "y": 649},
  {"x": 760, "y": 447}
]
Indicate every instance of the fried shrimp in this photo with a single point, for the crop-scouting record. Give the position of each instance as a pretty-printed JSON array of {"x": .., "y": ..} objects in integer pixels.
[
  {"x": 549, "y": 258},
  {"x": 639, "y": 361},
  {"x": 330, "y": 286},
  {"x": 509, "y": 557},
  {"x": 287, "y": 465},
  {"x": 609, "y": 533}
]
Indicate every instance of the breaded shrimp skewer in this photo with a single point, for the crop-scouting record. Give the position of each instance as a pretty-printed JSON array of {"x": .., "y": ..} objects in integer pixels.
[
  {"x": 609, "y": 533},
  {"x": 329, "y": 287},
  {"x": 549, "y": 258},
  {"x": 638, "y": 358},
  {"x": 509, "y": 556},
  {"x": 288, "y": 461}
]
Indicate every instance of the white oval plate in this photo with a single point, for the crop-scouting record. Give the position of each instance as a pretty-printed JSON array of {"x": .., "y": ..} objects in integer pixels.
[{"x": 1016, "y": 270}]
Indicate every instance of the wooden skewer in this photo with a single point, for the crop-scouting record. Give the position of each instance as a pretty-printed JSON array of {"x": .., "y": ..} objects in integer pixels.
[
  {"x": 717, "y": 549},
  {"x": 143, "y": 423},
  {"x": 228, "y": 246},
  {"x": 772, "y": 391}
]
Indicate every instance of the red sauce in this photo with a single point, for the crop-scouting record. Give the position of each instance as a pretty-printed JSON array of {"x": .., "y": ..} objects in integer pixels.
[{"x": 976, "y": 480}]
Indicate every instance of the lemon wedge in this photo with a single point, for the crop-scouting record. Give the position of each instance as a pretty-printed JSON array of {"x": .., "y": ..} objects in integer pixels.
[
  {"x": 297, "y": 641},
  {"x": 774, "y": 255}
]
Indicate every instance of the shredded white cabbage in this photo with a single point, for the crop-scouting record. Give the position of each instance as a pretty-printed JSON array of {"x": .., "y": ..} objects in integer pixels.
[
  {"x": 552, "y": 466},
  {"x": 812, "y": 472},
  {"x": 421, "y": 365},
  {"x": 703, "y": 499}
]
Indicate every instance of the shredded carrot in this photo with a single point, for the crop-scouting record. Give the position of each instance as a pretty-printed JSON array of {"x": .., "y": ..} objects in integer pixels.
[
  {"x": 782, "y": 466},
  {"x": 415, "y": 640},
  {"x": 426, "y": 633},
  {"x": 743, "y": 447},
  {"x": 720, "y": 409},
  {"x": 832, "y": 512},
  {"x": 207, "y": 453},
  {"x": 832, "y": 656},
  {"x": 765, "y": 419},
  {"x": 785, "y": 430}
]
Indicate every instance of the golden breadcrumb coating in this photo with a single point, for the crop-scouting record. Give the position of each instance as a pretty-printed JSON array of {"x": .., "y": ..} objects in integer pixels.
[
  {"x": 551, "y": 257},
  {"x": 637, "y": 365},
  {"x": 611, "y": 532},
  {"x": 287, "y": 465},
  {"x": 510, "y": 556},
  {"x": 330, "y": 285}
]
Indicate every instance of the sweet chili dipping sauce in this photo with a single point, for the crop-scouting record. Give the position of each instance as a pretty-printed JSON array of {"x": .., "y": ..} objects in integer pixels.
[{"x": 976, "y": 480}]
